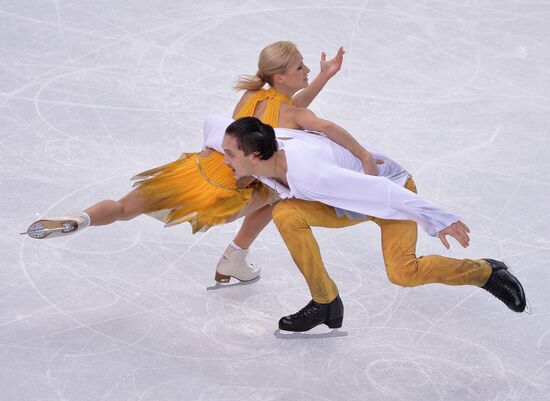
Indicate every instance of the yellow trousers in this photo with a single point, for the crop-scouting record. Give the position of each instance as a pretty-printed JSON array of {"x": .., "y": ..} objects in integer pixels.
[{"x": 294, "y": 219}]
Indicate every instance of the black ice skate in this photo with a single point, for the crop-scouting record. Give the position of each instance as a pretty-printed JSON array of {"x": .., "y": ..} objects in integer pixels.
[
  {"x": 314, "y": 314},
  {"x": 505, "y": 286}
]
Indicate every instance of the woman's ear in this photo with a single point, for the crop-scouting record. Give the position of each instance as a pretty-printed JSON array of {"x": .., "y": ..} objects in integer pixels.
[{"x": 278, "y": 79}]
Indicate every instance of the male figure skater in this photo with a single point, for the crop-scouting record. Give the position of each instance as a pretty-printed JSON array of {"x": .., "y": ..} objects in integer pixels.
[{"x": 306, "y": 170}]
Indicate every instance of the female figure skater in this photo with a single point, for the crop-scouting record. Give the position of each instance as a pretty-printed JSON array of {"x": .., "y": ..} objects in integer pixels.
[{"x": 200, "y": 189}]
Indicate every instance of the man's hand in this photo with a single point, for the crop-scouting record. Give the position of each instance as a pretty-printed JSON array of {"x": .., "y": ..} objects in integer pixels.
[
  {"x": 369, "y": 165},
  {"x": 331, "y": 67},
  {"x": 458, "y": 231}
]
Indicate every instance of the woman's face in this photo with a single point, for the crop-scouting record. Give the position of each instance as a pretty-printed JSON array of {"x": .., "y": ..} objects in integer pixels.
[{"x": 295, "y": 76}]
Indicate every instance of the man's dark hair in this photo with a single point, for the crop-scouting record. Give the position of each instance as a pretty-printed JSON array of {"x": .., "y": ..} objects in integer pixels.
[{"x": 253, "y": 136}]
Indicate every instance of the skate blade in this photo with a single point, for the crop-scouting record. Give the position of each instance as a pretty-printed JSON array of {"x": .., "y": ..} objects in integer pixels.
[
  {"x": 46, "y": 228},
  {"x": 218, "y": 286},
  {"x": 290, "y": 335},
  {"x": 528, "y": 308}
]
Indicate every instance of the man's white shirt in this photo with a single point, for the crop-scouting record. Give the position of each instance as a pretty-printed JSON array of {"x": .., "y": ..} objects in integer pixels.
[{"x": 320, "y": 170}]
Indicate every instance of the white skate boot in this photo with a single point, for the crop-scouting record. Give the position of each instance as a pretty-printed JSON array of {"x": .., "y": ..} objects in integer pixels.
[
  {"x": 234, "y": 263},
  {"x": 54, "y": 227}
]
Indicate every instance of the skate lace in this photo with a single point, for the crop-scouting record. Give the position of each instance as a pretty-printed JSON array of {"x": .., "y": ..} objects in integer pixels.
[
  {"x": 499, "y": 284},
  {"x": 308, "y": 311}
]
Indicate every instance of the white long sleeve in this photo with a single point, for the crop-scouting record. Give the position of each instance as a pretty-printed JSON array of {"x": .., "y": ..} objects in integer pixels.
[
  {"x": 312, "y": 175},
  {"x": 379, "y": 197}
]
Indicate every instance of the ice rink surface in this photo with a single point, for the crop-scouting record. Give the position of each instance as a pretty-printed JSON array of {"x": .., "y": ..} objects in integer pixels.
[{"x": 93, "y": 92}]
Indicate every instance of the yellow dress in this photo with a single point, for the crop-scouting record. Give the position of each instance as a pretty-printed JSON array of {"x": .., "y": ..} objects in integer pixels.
[{"x": 200, "y": 190}]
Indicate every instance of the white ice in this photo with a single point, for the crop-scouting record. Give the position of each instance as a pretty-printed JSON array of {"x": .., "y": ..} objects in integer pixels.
[{"x": 92, "y": 92}]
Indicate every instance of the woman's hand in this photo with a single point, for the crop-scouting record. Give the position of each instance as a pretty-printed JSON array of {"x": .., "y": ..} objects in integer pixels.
[
  {"x": 331, "y": 67},
  {"x": 370, "y": 164}
]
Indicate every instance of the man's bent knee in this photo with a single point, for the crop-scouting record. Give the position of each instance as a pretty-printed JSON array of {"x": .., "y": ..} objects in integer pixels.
[{"x": 403, "y": 275}]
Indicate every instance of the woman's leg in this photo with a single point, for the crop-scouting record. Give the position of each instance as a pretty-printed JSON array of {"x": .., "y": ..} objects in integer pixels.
[
  {"x": 252, "y": 226},
  {"x": 257, "y": 215},
  {"x": 108, "y": 211},
  {"x": 102, "y": 213},
  {"x": 234, "y": 261}
]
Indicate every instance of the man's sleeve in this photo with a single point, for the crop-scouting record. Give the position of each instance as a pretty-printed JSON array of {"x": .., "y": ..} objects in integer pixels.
[{"x": 374, "y": 196}]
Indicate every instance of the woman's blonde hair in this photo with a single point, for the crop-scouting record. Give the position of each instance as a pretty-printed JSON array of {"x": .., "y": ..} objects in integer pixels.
[{"x": 274, "y": 59}]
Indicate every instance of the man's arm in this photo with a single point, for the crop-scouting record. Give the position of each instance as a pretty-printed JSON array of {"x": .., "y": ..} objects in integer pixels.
[
  {"x": 306, "y": 119},
  {"x": 328, "y": 70},
  {"x": 374, "y": 196}
]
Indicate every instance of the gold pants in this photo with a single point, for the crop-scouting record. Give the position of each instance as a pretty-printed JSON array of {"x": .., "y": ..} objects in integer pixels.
[{"x": 294, "y": 219}]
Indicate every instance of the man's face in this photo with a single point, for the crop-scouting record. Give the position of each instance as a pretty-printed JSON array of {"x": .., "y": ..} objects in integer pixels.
[{"x": 235, "y": 158}]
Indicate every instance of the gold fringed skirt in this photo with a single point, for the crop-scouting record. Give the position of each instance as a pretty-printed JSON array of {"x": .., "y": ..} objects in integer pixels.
[{"x": 199, "y": 190}]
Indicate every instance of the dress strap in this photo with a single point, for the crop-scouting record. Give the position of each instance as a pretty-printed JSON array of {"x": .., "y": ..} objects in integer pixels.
[{"x": 271, "y": 114}]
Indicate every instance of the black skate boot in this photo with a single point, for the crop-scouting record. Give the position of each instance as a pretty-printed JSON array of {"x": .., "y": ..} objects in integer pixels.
[
  {"x": 505, "y": 286},
  {"x": 314, "y": 314}
]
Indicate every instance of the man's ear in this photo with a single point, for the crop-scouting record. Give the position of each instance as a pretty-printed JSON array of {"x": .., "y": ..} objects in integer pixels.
[{"x": 255, "y": 158}]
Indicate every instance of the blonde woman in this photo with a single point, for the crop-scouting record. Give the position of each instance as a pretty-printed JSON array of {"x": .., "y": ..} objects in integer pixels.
[{"x": 200, "y": 189}]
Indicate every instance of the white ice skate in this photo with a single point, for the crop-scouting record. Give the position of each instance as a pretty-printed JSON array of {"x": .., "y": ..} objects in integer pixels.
[
  {"x": 234, "y": 263},
  {"x": 55, "y": 227}
]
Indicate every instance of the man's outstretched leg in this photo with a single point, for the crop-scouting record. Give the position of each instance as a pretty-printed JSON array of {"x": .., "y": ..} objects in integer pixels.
[{"x": 405, "y": 269}]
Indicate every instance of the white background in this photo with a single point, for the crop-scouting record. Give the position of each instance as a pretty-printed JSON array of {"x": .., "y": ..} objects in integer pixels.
[{"x": 93, "y": 92}]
